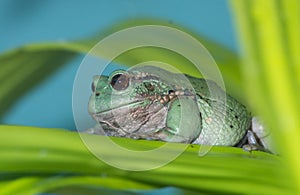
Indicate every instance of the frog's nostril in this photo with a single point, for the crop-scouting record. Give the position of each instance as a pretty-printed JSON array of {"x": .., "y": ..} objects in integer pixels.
[
  {"x": 97, "y": 94},
  {"x": 93, "y": 87}
]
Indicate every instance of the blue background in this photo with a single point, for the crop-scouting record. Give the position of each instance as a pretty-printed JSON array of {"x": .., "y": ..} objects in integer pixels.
[{"x": 23, "y": 22}]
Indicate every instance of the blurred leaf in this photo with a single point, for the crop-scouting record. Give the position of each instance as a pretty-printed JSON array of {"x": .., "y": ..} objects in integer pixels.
[
  {"x": 46, "y": 159},
  {"x": 25, "y": 67},
  {"x": 270, "y": 35},
  {"x": 36, "y": 184}
]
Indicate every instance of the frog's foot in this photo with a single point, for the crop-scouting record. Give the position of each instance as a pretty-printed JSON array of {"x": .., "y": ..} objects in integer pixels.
[
  {"x": 253, "y": 143},
  {"x": 94, "y": 130},
  {"x": 168, "y": 135},
  {"x": 164, "y": 134},
  {"x": 253, "y": 147}
]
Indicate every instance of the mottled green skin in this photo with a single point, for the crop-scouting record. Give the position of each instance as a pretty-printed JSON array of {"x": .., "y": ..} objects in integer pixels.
[
  {"x": 232, "y": 118},
  {"x": 164, "y": 106}
]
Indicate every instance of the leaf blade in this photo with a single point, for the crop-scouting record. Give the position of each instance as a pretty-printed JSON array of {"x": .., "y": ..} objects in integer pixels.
[{"x": 211, "y": 173}]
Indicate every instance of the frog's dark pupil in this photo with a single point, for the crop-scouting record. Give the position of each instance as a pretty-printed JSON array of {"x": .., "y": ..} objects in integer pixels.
[{"x": 119, "y": 81}]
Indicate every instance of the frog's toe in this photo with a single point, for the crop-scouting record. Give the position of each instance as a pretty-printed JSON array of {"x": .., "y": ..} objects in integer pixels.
[
  {"x": 251, "y": 147},
  {"x": 254, "y": 147},
  {"x": 97, "y": 129}
]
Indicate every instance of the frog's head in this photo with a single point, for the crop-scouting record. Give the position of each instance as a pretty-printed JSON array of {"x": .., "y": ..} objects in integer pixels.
[{"x": 130, "y": 101}]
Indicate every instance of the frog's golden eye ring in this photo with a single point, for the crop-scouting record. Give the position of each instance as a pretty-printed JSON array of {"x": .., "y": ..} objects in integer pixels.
[{"x": 120, "y": 81}]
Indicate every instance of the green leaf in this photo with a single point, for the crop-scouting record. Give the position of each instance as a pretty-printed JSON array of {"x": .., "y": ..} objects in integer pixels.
[
  {"x": 38, "y": 184},
  {"x": 269, "y": 33},
  {"x": 52, "y": 155},
  {"x": 25, "y": 67}
]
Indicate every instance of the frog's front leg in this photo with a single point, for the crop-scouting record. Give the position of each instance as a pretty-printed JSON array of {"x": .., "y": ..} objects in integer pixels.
[{"x": 183, "y": 123}]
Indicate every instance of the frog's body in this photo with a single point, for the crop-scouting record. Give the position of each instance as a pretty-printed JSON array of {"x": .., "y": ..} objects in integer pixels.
[
  {"x": 232, "y": 117},
  {"x": 143, "y": 105}
]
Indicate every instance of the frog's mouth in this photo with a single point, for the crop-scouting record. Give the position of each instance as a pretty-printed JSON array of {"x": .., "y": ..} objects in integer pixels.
[
  {"x": 114, "y": 109},
  {"x": 132, "y": 116}
]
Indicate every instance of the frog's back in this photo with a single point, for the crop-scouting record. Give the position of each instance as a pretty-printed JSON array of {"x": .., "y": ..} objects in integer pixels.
[{"x": 224, "y": 119}]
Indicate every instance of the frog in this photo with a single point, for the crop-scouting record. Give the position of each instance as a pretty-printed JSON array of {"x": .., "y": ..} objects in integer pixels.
[{"x": 159, "y": 105}]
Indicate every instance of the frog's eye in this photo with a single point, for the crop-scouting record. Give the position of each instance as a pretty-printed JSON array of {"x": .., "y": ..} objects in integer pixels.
[{"x": 119, "y": 81}]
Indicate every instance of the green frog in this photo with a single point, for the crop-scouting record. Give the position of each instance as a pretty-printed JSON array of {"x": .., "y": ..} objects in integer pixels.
[{"x": 155, "y": 104}]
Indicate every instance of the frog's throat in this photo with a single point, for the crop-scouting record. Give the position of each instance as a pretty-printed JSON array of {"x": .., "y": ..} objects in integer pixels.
[{"x": 112, "y": 109}]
